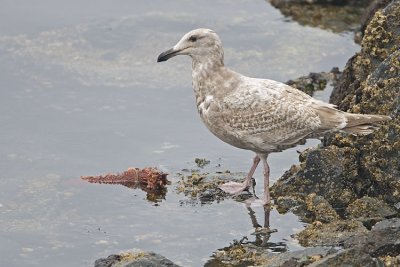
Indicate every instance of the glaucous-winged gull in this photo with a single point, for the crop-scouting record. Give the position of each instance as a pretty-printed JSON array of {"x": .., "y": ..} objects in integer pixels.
[{"x": 257, "y": 114}]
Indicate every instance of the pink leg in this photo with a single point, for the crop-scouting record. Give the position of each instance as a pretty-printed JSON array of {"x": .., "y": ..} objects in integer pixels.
[
  {"x": 267, "y": 198},
  {"x": 236, "y": 188}
]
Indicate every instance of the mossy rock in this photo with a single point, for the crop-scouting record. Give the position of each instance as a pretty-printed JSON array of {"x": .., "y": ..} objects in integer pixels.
[
  {"x": 330, "y": 234},
  {"x": 331, "y": 173},
  {"x": 332, "y": 15},
  {"x": 381, "y": 39},
  {"x": 372, "y": 208},
  {"x": 350, "y": 167}
]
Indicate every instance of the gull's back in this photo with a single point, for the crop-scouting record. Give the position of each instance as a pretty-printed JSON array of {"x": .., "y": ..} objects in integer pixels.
[{"x": 263, "y": 115}]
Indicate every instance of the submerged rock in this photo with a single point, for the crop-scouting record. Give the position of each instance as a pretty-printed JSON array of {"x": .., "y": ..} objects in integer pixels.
[
  {"x": 204, "y": 187},
  {"x": 315, "y": 81},
  {"x": 201, "y": 162},
  {"x": 135, "y": 259},
  {"x": 334, "y": 15}
]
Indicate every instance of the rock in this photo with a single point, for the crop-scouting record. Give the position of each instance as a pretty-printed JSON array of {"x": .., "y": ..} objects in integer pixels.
[
  {"x": 349, "y": 257},
  {"x": 315, "y": 81},
  {"x": 239, "y": 254},
  {"x": 322, "y": 210},
  {"x": 381, "y": 38},
  {"x": 108, "y": 262},
  {"x": 333, "y": 15},
  {"x": 201, "y": 163},
  {"x": 357, "y": 175},
  {"x": 369, "y": 210},
  {"x": 310, "y": 208},
  {"x": 135, "y": 259},
  {"x": 204, "y": 187},
  {"x": 370, "y": 11},
  {"x": 382, "y": 240},
  {"x": 300, "y": 257},
  {"x": 330, "y": 234},
  {"x": 330, "y": 173},
  {"x": 350, "y": 167},
  {"x": 360, "y": 248},
  {"x": 380, "y": 150},
  {"x": 290, "y": 203}
]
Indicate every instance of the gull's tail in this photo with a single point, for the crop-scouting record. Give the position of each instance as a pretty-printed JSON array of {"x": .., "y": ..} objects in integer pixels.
[{"x": 362, "y": 123}]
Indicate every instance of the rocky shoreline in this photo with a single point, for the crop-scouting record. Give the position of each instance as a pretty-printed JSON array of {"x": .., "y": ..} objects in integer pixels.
[
  {"x": 351, "y": 184},
  {"x": 348, "y": 189}
]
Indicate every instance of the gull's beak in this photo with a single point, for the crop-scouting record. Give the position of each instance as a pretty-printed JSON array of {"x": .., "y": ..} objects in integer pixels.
[{"x": 164, "y": 56}]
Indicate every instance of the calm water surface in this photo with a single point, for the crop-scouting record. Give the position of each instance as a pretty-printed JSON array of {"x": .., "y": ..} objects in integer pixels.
[{"x": 81, "y": 94}]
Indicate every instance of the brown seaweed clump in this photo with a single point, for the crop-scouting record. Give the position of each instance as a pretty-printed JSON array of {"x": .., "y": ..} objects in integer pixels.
[
  {"x": 151, "y": 178},
  {"x": 147, "y": 179}
]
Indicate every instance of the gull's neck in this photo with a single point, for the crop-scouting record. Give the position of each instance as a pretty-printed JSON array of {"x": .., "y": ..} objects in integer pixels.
[{"x": 205, "y": 70}]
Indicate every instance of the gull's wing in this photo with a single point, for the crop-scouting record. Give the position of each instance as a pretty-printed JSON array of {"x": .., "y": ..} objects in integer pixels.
[{"x": 266, "y": 111}]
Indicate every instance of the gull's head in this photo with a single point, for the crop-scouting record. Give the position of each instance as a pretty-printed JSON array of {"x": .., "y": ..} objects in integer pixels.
[{"x": 198, "y": 44}]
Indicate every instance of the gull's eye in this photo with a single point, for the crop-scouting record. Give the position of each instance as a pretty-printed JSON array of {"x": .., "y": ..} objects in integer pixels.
[{"x": 193, "y": 38}]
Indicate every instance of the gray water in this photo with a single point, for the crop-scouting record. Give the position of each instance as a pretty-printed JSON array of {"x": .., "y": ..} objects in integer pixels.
[{"x": 81, "y": 94}]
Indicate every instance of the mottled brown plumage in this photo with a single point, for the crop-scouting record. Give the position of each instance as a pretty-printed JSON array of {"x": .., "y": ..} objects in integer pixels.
[{"x": 257, "y": 114}]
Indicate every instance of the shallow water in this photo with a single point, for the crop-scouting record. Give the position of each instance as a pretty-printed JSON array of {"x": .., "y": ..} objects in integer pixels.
[{"x": 82, "y": 94}]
